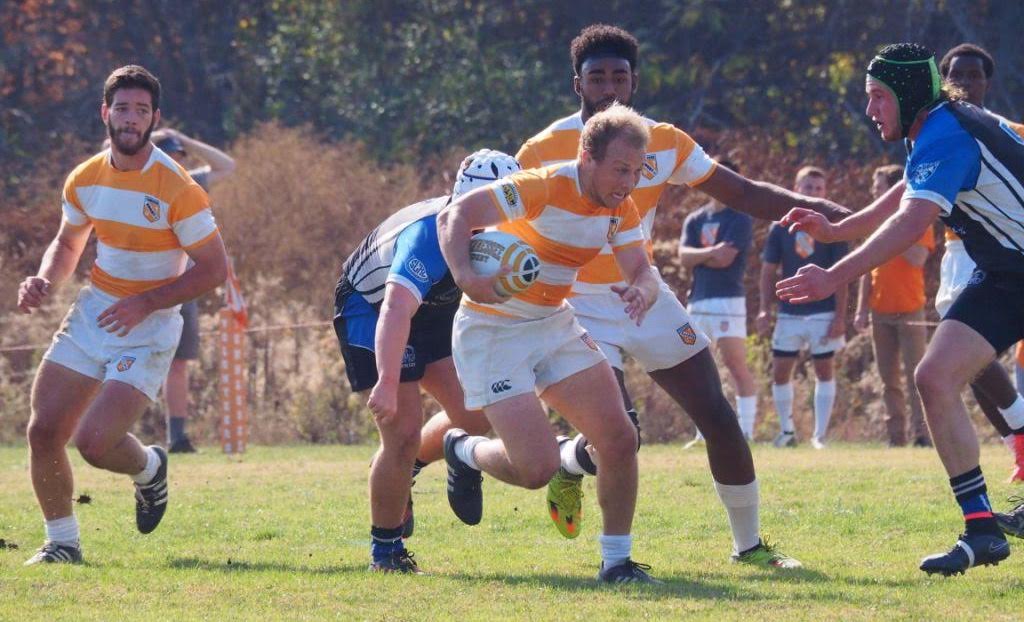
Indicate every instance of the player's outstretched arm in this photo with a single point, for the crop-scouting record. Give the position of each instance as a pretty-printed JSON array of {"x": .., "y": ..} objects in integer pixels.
[
  {"x": 210, "y": 270},
  {"x": 900, "y": 232},
  {"x": 762, "y": 199},
  {"x": 853, "y": 227},
  {"x": 642, "y": 289},
  {"x": 219, "y": 165},
  {"x": 455, "y": 225},
  {"x": 57, "y": 266},
  {"x": 393, "y": 326}
]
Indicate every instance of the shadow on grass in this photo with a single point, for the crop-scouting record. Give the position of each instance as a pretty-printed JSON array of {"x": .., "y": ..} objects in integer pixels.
[
  {"x": 234, "y": 565},
  {"x": 671, "y": 586}
]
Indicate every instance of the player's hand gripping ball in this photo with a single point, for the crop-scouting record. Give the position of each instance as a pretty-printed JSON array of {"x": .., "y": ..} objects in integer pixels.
[{"x": 490, "y": 251}]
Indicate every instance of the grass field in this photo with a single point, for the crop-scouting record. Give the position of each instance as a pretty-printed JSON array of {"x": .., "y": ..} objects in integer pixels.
[{"x": 282, "y": 534}]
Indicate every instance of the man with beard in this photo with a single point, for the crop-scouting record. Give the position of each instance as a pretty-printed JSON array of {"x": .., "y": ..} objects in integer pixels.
[
  {"x": 113, "y": 349},
  {"x": 965, "y": 167},
  {"x": 668, "y": 344}
]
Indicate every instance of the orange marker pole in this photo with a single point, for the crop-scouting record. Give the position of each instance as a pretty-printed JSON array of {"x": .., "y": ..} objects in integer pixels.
[{"x": 234, "y": 404}]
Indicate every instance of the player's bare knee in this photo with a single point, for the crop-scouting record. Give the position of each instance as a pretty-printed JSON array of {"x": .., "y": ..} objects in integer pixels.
[
  {"x": 537, "y": 473},
  {"x": 43, "y": 436},
  {"x": 398, "y": 434},
  {"x": 619, "y": 447},
  {"x": 930, "y": 379},
  {"x": 92, "y": 450}
]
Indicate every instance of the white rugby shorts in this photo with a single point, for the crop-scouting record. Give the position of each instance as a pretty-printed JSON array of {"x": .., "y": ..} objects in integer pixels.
[
  {"x": 720, "y": 317},
  {"x": 954, "y": 273},
  {"x": 499, "y": 357},
  {"x": 666, "y": 338},
  {"x": 796, "y": 332},
  {"x": 141, "y": 358}
]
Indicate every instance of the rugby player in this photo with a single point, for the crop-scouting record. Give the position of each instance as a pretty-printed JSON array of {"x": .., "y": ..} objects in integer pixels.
[{"x": 115, "y": 345}]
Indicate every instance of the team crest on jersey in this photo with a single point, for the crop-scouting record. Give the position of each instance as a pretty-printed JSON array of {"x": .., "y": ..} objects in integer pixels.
[
  {"x": 650, "y": 166},
  {"x": 417, "y": 269},
  {"x": 511, "y": 194},
  {"x": 587, "y": 339},
  {"x": 803, "y": 244},
  {"x": 409, "y": 358},
  {"x": 976, "y": 277},
  {"x": 125, "y": 363},
  {"x": 922, "y": 172},
  {"x": 613, "y": 227},
  {"x": 709, "y": 233},
  {"x": 151, "y": 209},
  {"x": 687, "y": 334}
]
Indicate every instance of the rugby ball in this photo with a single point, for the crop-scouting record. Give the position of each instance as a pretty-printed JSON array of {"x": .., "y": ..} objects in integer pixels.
[{"x": 489, "y": 251}]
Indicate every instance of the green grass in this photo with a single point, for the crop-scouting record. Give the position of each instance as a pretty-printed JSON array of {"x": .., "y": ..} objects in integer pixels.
[{"x": 282, "y": 534}]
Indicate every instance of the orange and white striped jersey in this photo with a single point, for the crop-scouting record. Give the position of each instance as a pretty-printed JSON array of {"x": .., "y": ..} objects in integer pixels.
[
  {"x": 144, "y": 220},
  {"x": 672, "y": 158},
  {"x": 546, "y": 208}
]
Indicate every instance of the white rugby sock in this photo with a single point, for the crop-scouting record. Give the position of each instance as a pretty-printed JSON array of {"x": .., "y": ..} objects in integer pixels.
[
  {"x": 824, "y": 400},
  {"x": 464, "y": 450},
  {"x": 741, "y": 503},
  {"x": 147, "y": 474},
  {"x": 615, "y": 549},
  {"x": 1014, "y": 414},
  {"x": 782, "y": 394},
  {"x": 569, "y": 461},
  {"x": 62, "y": 530},
  {"x": 746, "y": 411}
]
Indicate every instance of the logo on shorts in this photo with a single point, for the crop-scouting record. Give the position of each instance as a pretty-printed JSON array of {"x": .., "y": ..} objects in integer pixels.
[
  {"x": 511, "y": 194},
  {"x": 724, "y": 326},
  {"x": 501, "y": 386},
  {"x": 125, "y": 363},
  {"x": 650, "y": 166},
  {"x": 687, "y": 334},
  {"x": 708, "y": 234},
  {"x": 409, "y": 357},
  {"x": 613, "y": 227},
  {"x": 151, "y": 209},
  {"x": 976, "y": 277},
  {"x": 417, "y": 269},
  {"x": 922, "y": 172},
  {"x": 803, "y": 245},
  {"x": 587, "y": 339}
]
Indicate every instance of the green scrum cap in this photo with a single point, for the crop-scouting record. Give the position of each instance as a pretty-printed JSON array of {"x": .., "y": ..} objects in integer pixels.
[{"x": 908, "y": 70}]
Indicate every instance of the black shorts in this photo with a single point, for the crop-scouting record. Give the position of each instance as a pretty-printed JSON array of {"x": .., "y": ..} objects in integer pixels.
[
  {"x": 188, "y": 345},
  {"x": 993, "y": 305},
  {"x": 430, "y": 340}
]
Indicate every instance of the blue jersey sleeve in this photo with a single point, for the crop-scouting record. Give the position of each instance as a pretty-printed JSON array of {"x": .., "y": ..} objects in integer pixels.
[
  {"x": 418, "y": 263},
  {"x": 740, "y": 232},
  {"x": 944, "y": 162},
  {"x": 690, "y": 235},
  {"x": 773, "y": 245}
]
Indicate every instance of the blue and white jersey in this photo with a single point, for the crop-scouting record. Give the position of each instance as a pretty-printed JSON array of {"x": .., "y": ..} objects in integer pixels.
[
  {"x": 404, "y": 250},
  {"x": 971, "y": 163}
]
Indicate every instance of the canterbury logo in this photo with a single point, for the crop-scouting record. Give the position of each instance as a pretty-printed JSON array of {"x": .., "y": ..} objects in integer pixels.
[
  {"x": 125, "y": 363},
  {"x": 501, "y": 386}
]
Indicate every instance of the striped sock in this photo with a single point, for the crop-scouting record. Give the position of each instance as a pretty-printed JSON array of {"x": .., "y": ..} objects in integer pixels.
[
  {"x": 972, "y": 495},
  {"x": 417, "y": 467},
  {"x": 385, "y": 542}
]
